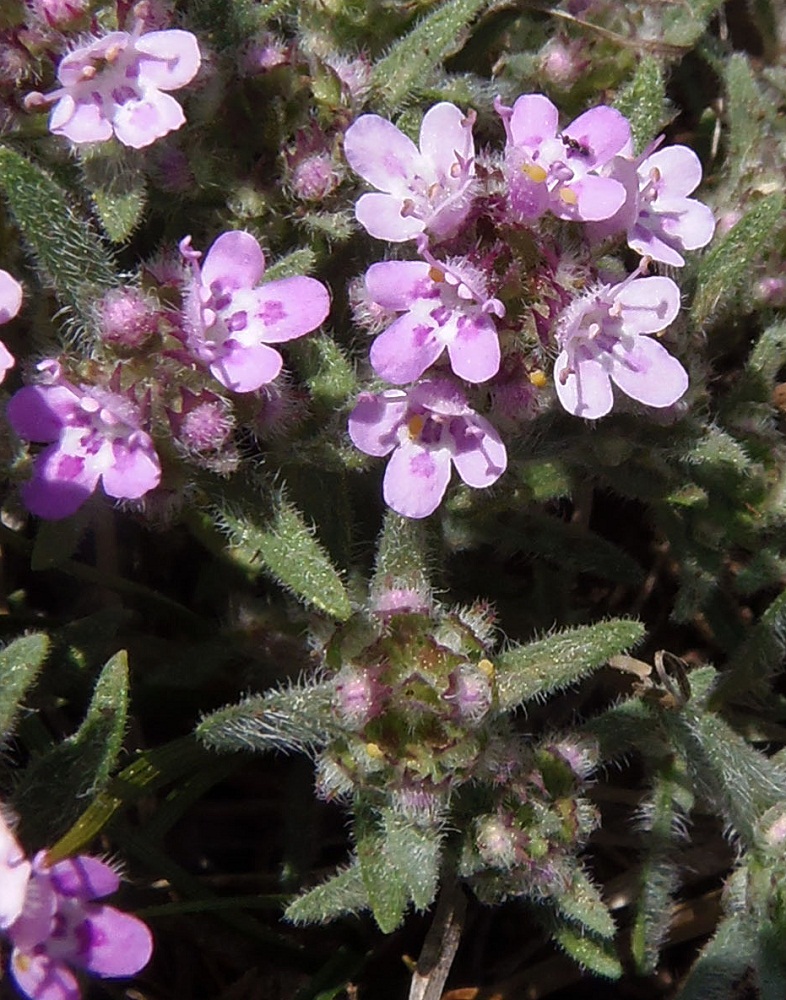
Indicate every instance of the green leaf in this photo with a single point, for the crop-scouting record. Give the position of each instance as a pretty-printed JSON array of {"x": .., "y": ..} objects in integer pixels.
[
  {"x": 279, "y": 542},
  {"x": 416, "y": 56},
  {"x": 302, "y": 261},
  {"x": 580, "y": 901},
  {"x": 66, "y": 247},
  {"x": 52, "y": 789},
  {"x": 643, "y": 102},
  {"x": 118, "y": 187},
  {"x": 20, "y": 664},
  {"x": 386, "y": 888},
  {"x": 298, "y": 717},
  {"x": 596, "y": 956},
  {"x": 341, "y": 894},
  {"x": 723, "y": 963},
  {"x": 328, "y": 372},
  {"x": 553, "y": 663},
  {"x": 414, "y": 853},
  {"x": 402, "y": 555},
  {"x": 749, "y": 115},
  {"x": 757, "y": 658},
  {"x": 726, "y": 269}
]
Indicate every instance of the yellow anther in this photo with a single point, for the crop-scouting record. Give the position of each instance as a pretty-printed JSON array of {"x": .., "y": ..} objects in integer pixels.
[
  {"x": 88, "y": 73},
  {"x": 435, "y": 274},
  {"x": 535, "y": 172},
  {"x": 415, "y": 426},
  {"x": 486, "y": 667},
  {"x": 568, "y": 195},
  {"x": 538, "y": 378},
  {"x": 112, "y": 53},
  {"x": 374, "y": 750}
]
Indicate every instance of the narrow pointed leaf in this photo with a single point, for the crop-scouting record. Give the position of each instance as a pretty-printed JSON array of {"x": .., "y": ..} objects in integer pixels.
[
  {"x": 341, "y": 894},
  {"x": 20, "y": 664}
]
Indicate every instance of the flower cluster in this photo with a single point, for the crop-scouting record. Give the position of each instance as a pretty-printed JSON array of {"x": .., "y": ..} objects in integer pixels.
[
  {"x": 217, "y": 339},
  {"x": 51, "y": 916},
  {"x": 461, "y": 311}
]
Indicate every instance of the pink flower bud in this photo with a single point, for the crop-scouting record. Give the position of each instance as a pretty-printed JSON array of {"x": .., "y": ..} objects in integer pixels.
[
  {"x": 388, "y": 603},
  {"x": 62, "y": 15},
  {"x": 127, "y": 317},
  {"x": 204, "y": 424},
  {"x": 498, "y": 841},
  {"x": 561, "y": 62},
  {"x": 771, "y": 291},
  {"x": 359, "y": 697},
  {"x": 469, "y": 692}
]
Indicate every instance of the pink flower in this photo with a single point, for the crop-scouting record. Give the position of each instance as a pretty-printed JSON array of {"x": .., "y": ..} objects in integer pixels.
[
  {"x": 93, "y": 434},
  {"x": 117, "y": 85},
  {"x": 603, "y": 336},
  {"x": 558, "y": 172},
  {"x": 15, "y": 872},
  {"x": 61, "y": 927},
  {"x": 425, "y": 190},
  {"x": 428, "y": 429},
  {"x": 445, "y": 306},
  {"x": 10, "y": 304},
  {"x": 230, "y": 319},
  {"x": 659, "y": 218}
]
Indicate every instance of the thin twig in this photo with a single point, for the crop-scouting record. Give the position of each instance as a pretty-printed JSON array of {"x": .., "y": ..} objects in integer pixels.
[{"x": 440, "y": 946}]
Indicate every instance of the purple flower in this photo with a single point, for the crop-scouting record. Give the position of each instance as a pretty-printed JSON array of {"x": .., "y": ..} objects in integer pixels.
[
  {"x": 426, "y": 190},
  {"x": 10, "y": 304},
  {"x": 229, "y": 321},
  {"x": 116, "y": 84},
  {"x": 603, "y": 336},
  {"x": 15, "y": 872},
  {"x": 444, "y": 306},
  {"x": 659, "y": 218},
  {"x": 93, "y": 434},
  {"x": 558, "y": 172},
  {"x": 60, "y": 927},
  {"x": 427, "y": 428}
]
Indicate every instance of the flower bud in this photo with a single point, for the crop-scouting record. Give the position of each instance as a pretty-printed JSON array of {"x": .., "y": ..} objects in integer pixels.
[
  {"x": 127, "y": 317},
  {"x": 204, "y": 423},
  {"x": 392, "y": 601},
  {"x": 469, "y": 692},
  {"x": 561, "y": 62},
  {"x": 498, "y": 841},
  {"x": 420, "y": 802},
  {"x": 359, "y": 697},
  {"x": 313, "y": 173}
]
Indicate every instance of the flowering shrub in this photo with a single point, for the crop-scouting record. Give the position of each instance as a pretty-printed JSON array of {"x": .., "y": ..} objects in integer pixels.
[{"x": 406, "y": 379}]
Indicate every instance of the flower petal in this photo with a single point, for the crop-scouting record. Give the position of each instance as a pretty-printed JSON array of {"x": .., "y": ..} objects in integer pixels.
[
  {"x": 39, "y": 412},
  {"x": 406, "y": 349},
  {"x": 84, "y": 877},
  {"x": 679, "y": 170},
  {"x": 235, "y": 260},
  {"x": 10, "y": 297},
  {"x": 649, "y": 374},
  {"x": 42, "y": 978},
  {"x": 138, "y": 123},
  {"x": 375, "y": 420},
  {"x": 245, "y": 368},
  {"x": 381, "y": 217},
  {"x": 445, "y": 133},
  {"x": 480, "y": 456},
  {"x": 118, "y": 944},
  {"x": 648, "y": 305},
  {"x": 587, "y": 391},
  {"x": 80, "y": 121},
  {"x": 534, "y": 120},
  {"x": 416, "y": 479},
  {"x": 474, "y": 351},
  {"x": 603, "y": 131},
  {"x": 135, "y": 469},
  {"x": 169, "y": 59},
  {"x": 381, "y": 153},
  {"x": 598, "y": 198},
  {"x": 396, "y": 284},
  {"x": 288, "y": 308},
  {"x": 61, "y": 483}
]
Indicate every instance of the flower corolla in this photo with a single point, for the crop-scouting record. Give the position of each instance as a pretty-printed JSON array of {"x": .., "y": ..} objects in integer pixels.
[
  {"x": 93, "y": 434},
  {"x": 603, "y": 336},
  {"x": 118, "y": 85},
  {"x": 444, "y": 306},
  {"x": 428, "y": 429},
  {"x": 230, "y": 319},
  {"x": 56, "y": 924},
  {"x": 419, "y": 190},
  {"x": 10, "y": 304},
  {"x": 660, "y": 220},
  {"x": 548, "y": 170}
]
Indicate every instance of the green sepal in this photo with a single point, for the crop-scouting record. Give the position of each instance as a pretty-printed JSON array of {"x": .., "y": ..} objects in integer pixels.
[
  {"x": 117, "y": 185},
  {"x": 415, "y": 855},
  {"x": 386, "y": 888},
  {"x": 413, "y": 58},
  {"x": 20, "y": 664},
  {"x": 341, "y": 894},
  {"x": 580, "y": 902},
  {"x": 548, "y": 665}
]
